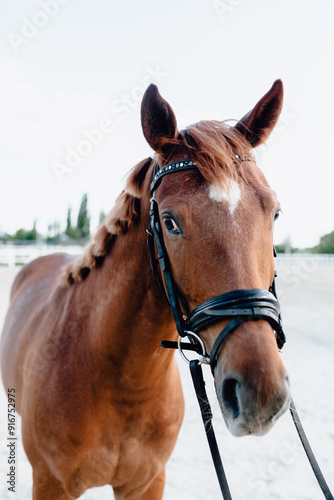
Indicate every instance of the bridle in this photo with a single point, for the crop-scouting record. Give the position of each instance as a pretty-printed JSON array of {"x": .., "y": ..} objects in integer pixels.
[{"x": 239, "y": 306}]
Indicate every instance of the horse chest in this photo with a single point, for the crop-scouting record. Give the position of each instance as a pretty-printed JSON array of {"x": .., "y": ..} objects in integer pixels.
[{"x": 132, "y": 446}]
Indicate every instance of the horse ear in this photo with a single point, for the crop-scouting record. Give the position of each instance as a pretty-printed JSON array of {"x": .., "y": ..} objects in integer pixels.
[
  {"x": 257, "y": 125},
  {"x": 157, "y": 119},
  {"x": 135, "y": 180}
]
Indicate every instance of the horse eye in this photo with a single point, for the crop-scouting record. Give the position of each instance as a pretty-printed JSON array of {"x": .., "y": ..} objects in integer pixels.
[
  {"x": 171, "y": 225},
  {"x": 277, "y": 214}
]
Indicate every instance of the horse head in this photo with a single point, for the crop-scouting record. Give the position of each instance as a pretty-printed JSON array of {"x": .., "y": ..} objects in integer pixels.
[{"x": 217, "y": 226}]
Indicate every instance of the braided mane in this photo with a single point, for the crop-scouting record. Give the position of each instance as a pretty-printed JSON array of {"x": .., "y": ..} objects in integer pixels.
[{"x": 218, "y": 151}]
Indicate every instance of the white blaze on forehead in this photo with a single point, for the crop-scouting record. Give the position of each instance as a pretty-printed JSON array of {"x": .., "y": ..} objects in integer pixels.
[{"x": 230, "y": 193}]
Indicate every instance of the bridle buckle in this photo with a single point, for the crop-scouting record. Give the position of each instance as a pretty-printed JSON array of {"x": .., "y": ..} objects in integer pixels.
[{"x": 203, "y": 357}]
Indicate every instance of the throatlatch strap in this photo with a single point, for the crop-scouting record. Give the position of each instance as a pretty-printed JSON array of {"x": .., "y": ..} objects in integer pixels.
[{"x": 202, "y": 398}]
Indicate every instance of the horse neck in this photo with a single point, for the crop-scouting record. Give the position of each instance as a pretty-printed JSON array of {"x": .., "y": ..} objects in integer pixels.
[{"x": 132, "y": 315}]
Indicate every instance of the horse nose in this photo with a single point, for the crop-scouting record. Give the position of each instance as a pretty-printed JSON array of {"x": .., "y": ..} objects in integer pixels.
[
  {"x": 250, "y": 409},
  {"x": 231, "y": 389}
]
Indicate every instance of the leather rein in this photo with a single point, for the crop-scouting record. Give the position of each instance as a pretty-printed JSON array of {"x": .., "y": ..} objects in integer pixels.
[{"x": 239, "y": 306}]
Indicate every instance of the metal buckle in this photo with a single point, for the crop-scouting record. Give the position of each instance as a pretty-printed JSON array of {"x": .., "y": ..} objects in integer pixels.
[{"x": 203, "y": 358}]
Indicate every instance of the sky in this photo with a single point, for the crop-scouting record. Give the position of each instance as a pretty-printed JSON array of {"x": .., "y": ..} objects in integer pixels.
[{"x": 73, "y": 72}]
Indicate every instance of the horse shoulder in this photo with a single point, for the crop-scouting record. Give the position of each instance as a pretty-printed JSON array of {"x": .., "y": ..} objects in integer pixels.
[{"x": 31, "y": 289}]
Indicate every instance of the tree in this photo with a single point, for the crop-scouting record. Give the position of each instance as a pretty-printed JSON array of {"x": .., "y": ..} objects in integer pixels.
[
  {"x": 24, "y": 234},
  {"x": 326, "y": 244},
  {"x": 83, "y": 222},
  {"x": 70, "y": 231},
  {"x": 102, "y": 216},
  {"x": 32, "y": 234},
  {"x": 53, "y": 232},
  {"x": 286, "y": 246}
]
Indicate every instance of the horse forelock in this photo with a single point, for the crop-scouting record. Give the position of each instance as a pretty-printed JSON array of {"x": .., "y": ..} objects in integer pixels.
[{"x": 217, "y": 150}]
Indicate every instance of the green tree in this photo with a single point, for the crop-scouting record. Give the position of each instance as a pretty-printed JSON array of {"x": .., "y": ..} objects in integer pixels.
[
  {"x": 83, "y": 222},
  {"x": 24, "y": 234},
  {"x": 326, "y": 244},
  {"x": 69, "y": 231},
  {"x": 53, "y": 231},
  {"x": 102, "y": 216}
]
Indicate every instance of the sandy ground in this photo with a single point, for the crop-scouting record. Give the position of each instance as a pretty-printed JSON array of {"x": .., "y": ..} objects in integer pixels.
[{"x": 271, "y": 467}]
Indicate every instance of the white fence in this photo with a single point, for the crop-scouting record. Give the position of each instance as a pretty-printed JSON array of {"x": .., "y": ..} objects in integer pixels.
[
  {"x": 18, "y": 255},
  {"x": 294, "y": 258}
]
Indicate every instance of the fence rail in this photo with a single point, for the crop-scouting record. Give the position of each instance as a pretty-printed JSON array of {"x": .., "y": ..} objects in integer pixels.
[
  {"x": 294, "y": 258},
  {"x": 18, "y": 255}
]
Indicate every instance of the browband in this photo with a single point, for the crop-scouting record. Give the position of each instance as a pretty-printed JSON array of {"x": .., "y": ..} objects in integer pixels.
[{"x": 175, "y": 166}]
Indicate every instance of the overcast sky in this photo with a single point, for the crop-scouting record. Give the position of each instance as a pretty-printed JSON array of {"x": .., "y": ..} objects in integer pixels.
[{"x": 72, "y": 74}]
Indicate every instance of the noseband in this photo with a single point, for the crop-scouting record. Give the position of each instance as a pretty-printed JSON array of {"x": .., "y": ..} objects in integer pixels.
[{"x": 239, "y": 306}]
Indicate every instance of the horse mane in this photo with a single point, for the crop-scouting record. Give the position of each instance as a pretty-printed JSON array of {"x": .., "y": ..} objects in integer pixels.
[
  {"x": 125, "y": 212},
  {"x": 218, "y": 150}
]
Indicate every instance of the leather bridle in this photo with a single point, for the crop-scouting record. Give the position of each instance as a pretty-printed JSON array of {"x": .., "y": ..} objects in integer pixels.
[{"x": 239, "y": 306}]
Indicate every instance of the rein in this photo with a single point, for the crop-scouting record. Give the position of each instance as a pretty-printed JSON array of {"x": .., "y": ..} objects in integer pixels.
[{"x": 239, "y": 306}]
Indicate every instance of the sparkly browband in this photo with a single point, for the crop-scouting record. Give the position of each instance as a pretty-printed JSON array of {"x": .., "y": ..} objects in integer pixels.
[
  {"x": 167, "y": 169},
  {"x": 178, "y": 165}
]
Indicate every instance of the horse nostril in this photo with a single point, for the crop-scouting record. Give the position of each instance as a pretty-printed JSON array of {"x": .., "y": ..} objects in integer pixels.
[{"x": 230, "y": 397}]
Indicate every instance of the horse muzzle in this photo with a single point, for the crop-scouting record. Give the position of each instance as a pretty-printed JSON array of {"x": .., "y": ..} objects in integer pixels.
[
  {"x": 250, "y": 379},
  {"x": 249, "y": 409}
]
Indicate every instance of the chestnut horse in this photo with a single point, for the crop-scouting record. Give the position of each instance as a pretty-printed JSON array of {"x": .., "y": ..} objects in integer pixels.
[{"x": 101, "y": 402}]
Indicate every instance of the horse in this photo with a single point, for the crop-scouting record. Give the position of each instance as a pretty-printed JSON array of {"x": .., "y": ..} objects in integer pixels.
[{"x": 101, "y": 401}]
